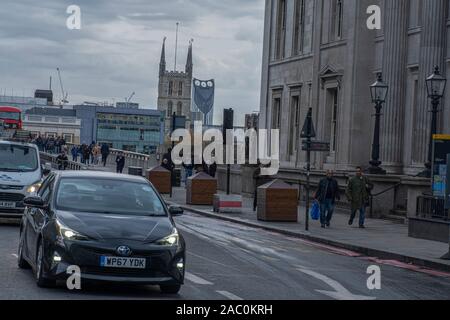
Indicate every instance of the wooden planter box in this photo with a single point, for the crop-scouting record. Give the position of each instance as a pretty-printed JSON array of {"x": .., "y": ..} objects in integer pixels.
[
  {"x": 277, "y": 201},
  {"x": 160, "y": 178},
  {"x": 200, "y": 189}
]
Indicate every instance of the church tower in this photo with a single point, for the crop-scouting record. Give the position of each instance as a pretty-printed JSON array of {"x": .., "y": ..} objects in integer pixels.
[{"x": 174, "y": 89}]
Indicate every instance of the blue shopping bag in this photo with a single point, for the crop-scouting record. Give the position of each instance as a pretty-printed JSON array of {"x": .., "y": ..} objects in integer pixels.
[{"x": 315, "y": 211}]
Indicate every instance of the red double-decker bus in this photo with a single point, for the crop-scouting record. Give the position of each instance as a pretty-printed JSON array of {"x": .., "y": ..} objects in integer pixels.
[{"x": 11, "y": 118}]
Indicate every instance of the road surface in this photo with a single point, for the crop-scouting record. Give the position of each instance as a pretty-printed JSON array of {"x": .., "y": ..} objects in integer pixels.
[{"x": 227, "y": 261}]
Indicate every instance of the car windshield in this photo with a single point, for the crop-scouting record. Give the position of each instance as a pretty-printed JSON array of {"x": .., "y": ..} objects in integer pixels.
[
  {"x": 108, "y": 196},
  {"x": 16, "y": 158}
]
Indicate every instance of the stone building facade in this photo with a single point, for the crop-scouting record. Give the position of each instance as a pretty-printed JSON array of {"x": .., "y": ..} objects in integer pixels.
[
  {"x": 174, "y": 89},
  {"x": 321, "y": 54}
]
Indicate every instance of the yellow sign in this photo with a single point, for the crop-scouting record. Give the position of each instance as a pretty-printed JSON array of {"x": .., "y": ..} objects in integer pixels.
[{"x": 441, "y": 137}]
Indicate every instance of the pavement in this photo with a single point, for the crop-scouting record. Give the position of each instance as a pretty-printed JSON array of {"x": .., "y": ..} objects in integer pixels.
[
  {"x": 229, "y": 261},
  {"x": 382, "y": 240}
]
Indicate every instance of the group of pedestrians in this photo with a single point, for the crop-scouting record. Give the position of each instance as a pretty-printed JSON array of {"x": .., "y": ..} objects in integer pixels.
[
  {"x": 357, "y": 193},
  {"x": 92, "y": 154},
  {"x": 50, "y": 144}
]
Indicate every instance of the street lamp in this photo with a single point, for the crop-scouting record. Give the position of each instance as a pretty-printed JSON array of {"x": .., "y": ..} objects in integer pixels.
[
  {"x": 436, "y": 84},
  {"x": 378, "y": 92}
]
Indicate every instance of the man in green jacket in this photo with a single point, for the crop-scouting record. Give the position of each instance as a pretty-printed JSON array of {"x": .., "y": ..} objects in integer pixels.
[{"x": 358, "y": 195}]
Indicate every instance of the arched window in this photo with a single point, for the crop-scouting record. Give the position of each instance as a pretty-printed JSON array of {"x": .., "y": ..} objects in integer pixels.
[
  {"x": 180, "y": 88},
  {"x": 179, "y": 109},
  {"x": 169, "y": 109}
]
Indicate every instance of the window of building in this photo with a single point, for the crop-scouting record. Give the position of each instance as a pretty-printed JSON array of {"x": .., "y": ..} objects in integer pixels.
[
  {"x": 51, "y": 134},
  {"x": 299, "y": 27},
  {"x": 169, "y": 109},
  {"x": 180, "y": 88},
  {"x": 334, "y": 94},
  {"x": 68, "y": 137},
  {"x": 170, "y": 88},
  {"x": 276, "y": 113},
  {"x": 280, "y": 30},
  {"x": 337, "y": 16},
  {"x": 179, "y": 109},
  {"x": 294, "y": 127}
]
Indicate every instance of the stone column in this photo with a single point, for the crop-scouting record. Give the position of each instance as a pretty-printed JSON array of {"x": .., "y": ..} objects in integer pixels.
[
  {"x": 432, "y": 53},
  {"x": 394, "y": 74}
]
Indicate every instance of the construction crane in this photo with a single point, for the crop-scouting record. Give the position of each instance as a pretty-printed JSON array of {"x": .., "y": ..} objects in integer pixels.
[
  {"x": 127, "y": 100},
  {"x": 64, "y": 95}
]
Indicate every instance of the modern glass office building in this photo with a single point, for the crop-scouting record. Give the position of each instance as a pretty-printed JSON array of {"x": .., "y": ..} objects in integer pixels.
[{"x": 136, "y": 130}]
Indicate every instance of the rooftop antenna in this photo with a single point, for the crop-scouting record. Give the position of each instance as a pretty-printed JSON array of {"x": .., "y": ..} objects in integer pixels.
[{"x": 176, "y": 46}]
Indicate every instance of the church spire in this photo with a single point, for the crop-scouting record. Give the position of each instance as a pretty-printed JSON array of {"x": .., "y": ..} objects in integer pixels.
[
  {"x": 162, "y": 63},
  {"x": 189, "y": 64}
]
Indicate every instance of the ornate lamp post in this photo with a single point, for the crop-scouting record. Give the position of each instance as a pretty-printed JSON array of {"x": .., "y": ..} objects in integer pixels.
[
  {"x": 378, "y": 92},
  {"x": 436, "y": 84}
]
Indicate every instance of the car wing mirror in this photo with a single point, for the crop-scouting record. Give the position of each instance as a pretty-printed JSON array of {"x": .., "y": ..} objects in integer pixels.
[
  {"x": 176, "y": 210},
  {"x": 34, "y": 202}
]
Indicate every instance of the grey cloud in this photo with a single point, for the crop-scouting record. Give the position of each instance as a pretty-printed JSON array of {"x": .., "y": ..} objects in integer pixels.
[{"x": 117, "y": 51}]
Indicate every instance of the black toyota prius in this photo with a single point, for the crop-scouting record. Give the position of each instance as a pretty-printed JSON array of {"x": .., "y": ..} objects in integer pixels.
[{"x": 114, "y": 228}]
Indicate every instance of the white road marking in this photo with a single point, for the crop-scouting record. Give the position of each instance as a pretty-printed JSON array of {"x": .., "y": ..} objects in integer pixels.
[
  {"x": 339, "y": 293},
  {"x": 15, "y": 255},
  {"x": 197, "y": 280},
  {"x": 229, "y": 295}
]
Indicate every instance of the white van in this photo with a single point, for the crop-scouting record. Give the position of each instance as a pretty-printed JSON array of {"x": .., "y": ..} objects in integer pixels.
[{"x": 20, "y": 176}]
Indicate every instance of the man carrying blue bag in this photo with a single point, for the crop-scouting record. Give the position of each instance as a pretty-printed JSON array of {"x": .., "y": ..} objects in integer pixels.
[{"x": 327, "y": 194}]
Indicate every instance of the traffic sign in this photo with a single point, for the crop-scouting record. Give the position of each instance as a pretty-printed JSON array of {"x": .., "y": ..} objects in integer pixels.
[
  {"x": 308, "y": 130},
  {"x": 316, "y": 146}
]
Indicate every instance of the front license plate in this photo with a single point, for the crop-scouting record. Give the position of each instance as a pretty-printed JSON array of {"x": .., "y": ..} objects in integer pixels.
[
  {"x": 9, "y": 205},
  {"x": 128, "y": 263}
]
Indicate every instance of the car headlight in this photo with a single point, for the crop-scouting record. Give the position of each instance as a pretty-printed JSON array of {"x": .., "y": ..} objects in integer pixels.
[
  {"x": 65, "y": 233},
  {"x": 170, "y": 240},
  {"x": 33, "y": 188}
]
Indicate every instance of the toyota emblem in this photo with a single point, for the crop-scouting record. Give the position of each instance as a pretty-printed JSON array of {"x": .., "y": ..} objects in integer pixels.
[{"x": 123, "y": 251}]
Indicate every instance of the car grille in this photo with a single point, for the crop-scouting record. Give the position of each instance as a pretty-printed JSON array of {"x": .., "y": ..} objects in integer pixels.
[
  {"x": 118, "y": 272},
  {"x": 15, "y": 197},
  {"x": 5, "y": 187},
  {"x": 89, "y": 260}
]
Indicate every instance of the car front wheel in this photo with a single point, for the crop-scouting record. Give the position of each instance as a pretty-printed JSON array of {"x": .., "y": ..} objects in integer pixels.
[
  {"x": 20, "y": 260},
  {"x": 40, "y": 280},
  {"x": 174, "y": 289}
]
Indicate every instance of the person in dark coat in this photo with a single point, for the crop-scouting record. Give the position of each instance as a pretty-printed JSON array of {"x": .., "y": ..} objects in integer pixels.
[
  {"x": 63, "y": 161},
  {"x": 213, "y": 169},
  {"x": 105, "y": 153},
  {"x": 326, "y": 194},
  {"x": 120, "y": 162},
  {"x": 358, "y": 193}
]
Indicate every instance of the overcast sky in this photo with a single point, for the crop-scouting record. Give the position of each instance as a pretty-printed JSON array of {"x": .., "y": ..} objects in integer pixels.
[{"x": 117, "y": 50}]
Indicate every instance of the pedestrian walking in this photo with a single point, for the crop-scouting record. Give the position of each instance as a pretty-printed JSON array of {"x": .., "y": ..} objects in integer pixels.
[
  {"x": 358, "y": 192},
  {"x": 327, "y": 193},
  {"x": 74, "y": 152},
  {"x": 120, "y": 162},
  {"x": 105, "y": 153}
]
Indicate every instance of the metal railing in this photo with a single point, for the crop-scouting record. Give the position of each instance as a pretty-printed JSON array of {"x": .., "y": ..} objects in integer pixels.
[{"x": 432, "y": 208}]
